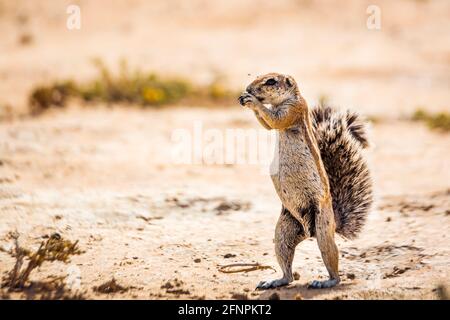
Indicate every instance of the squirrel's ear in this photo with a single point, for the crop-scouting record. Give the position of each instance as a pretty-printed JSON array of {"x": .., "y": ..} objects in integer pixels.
[{"x": 290, "y": 81}]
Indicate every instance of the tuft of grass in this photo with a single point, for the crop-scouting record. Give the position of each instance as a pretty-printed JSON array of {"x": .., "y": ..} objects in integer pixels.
[
  {"x": 419, "y": 115},
  {"x": 131, "y": 87},
  {"x": 54, "y": 95},
  {"x": 439, "y": 121},
  {"x": 54, "y": 249}
]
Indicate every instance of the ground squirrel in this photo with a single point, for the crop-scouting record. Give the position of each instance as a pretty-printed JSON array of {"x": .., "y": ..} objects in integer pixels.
[{"x": 318, "y": 172}]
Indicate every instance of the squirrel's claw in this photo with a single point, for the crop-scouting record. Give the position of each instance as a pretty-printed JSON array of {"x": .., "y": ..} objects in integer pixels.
[
  {"x": 263, "y": 285},
  {"x": 316, "y": 284},
  {"x": 245, "y": 98}
]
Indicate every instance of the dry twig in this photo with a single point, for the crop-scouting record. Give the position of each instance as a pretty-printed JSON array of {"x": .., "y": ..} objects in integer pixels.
[{"x": 246, "y": 267}]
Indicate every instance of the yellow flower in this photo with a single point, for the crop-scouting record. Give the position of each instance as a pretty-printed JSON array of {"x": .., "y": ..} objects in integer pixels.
[{"x": 153, "y": 95}]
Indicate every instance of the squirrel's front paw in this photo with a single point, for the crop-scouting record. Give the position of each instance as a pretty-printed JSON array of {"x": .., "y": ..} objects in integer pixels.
[{"x": 247, "y": 100}]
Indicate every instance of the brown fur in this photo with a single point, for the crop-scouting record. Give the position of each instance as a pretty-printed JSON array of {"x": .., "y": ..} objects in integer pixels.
[{"x": 298, "y": 172}]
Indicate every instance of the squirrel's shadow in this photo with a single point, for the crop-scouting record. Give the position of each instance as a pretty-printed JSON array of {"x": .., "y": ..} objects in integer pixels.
[{"x": 292, "y": 291}]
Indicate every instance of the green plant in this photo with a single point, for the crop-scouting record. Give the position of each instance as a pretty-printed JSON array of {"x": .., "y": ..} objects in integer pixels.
[
  {"x": 44, "y": 97},
  {"x": 439, "y": 121},
  {"x": 132, "y": 87},
  {"x": 127, "y": 86}
]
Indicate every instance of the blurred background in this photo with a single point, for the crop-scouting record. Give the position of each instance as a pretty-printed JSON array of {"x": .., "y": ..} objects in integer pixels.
[
  {"x": 326, "y": 45},
  {"x": 87, "y": 117}
]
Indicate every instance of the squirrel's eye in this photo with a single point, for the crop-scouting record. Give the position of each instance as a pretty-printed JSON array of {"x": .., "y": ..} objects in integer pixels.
[{"x": 270, "y": 82}]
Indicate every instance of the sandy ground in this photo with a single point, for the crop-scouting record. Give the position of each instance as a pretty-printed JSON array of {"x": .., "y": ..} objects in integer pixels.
[
  {"x": 105, "y": 176},
  {"x": 324, "y": 44},
  {"x": 146, "y": 222}
]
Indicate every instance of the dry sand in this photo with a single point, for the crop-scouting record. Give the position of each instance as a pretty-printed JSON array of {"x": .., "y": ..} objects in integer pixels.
[
  {"x": 103, "y": 175},
  {"x": 145, "y": 222}
]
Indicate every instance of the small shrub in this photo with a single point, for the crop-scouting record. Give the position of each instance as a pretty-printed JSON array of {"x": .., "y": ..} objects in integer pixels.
[
  {"x": 134, "y": 87},
  {"x": 439, "y": 121},
  {"x": 419, "y": 115},
  {"x": 54, "y": 249},
  {"x": 44, "y": 97}
]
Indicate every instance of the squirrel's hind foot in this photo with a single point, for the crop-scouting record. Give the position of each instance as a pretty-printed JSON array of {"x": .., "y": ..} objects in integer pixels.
[
  {"x": 263, "y": 285},
  {"x": 316, "y": 284}
]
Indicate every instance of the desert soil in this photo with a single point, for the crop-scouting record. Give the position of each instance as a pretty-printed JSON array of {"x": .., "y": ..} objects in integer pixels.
[{"x": 105, "y": 176}]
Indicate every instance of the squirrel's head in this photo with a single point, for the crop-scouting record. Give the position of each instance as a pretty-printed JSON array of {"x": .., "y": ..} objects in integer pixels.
[{"x": 274, "y": 88}]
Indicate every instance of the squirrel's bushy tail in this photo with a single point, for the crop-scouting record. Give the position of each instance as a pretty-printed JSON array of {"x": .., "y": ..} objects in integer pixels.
[{"x": 341, "y": 136}]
